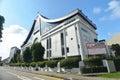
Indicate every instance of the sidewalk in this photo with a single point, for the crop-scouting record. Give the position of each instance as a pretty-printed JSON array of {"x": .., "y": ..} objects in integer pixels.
[{"x": 69, "y": 76}]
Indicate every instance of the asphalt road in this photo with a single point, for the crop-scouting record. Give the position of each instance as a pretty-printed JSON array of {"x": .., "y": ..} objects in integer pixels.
[{"x": 7, "y": 74}]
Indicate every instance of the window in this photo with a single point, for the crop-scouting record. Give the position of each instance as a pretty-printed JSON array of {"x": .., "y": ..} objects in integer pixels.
[
  {"x": 50, "y": 53},
  {"x": 49, "y": 46},
  {"x": 47, "y": 53},
  {"x": 49, "y": 42},
  {"x": 36, "y": 40},
  {"x": 84, "y": 30},
  {"x": 62, "y": 44},
  {"x": 62, "y": 39},
  {"x": 67, "y": 49},
  {"x": 71, "y": 38},
  {"x": 37, "y": 26},
  {"x": 63, "y": 51},
  {"x": 45, "y": 26}
]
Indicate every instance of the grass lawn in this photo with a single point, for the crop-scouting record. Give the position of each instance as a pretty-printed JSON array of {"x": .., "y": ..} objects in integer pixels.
[{"x": 110, "y": 75}]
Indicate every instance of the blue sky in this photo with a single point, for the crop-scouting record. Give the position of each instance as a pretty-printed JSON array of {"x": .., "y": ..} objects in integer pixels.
[{"x": 19, "y": 16}]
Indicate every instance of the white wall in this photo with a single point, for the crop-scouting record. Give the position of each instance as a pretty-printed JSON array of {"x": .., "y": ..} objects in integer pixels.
[
  {"x": 72, "y": 41},
  {"x": 56, "y": 45},
  {"x": 87, "y": 34}
]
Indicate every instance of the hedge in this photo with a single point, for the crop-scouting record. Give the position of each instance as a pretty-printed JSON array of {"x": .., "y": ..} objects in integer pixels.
[
  {"x": 52, "y": 63},
  {"x": 117, "y": 64},
  {"x": 66, "y": 63},
  {"x": 116, "y": 61},
  {"x": 1, "y": 63},
  {"x": 93, "y": 61},
  {"x": 41, "y": 63},
  {"x": 94, "y": 69},
  {"x": 70, "y": 62}
]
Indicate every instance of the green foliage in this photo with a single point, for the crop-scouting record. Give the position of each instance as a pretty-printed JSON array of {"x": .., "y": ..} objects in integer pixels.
[
  {"x": 27, "y": 55},
  {"x": 15, "y": 57},
  {"x": 1, "y": 25},
  {"x": 116, "y": 48},
  {"x": 116, "y": 61},
  {"x": 93, "y": 61},
  {"x": 22, "y": 64},
  {"x": 15, "y": 64},
  {"x": 33, "y": 64},
  {"x": 70, "y": 62},
  {"x": 41, "y": 63},
  {"x": 37, "y": 52},
  {"x": 110, "y": 75},
  {"x": 112, "y": 57},
  {"x": 94, "y": 69},
  {"x": 1, "y": 63},
  {"x": 52, "y": 63}
]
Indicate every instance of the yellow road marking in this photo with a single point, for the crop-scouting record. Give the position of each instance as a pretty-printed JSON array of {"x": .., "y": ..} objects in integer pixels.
[{"x": 52, "y": 78}]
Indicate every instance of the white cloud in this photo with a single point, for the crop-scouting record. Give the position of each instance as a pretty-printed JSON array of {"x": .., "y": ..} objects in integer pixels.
[
  {"x": 114, "y": 6},
  {"x": 96, "y": 10},
  {"x": 13, "y": 35},
  {"x": 110, "y": 34},
  {"x": 113, "y": 10}
]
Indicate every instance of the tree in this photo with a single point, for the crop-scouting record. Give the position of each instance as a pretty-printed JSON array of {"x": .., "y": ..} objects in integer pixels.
[
  {"x": 1, "y": 25},
  {"x": 27, "y": 56},
  {"x": 116, "y": 48},
  {"x": 37, "y": 52}
]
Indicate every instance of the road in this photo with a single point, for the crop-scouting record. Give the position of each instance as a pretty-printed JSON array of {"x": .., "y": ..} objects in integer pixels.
[{"x": 8, "y": 74}]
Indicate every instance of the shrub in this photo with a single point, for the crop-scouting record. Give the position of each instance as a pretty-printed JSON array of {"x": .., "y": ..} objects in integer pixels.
[
  {"x": 94, "y": 69},
  {"x": 117, "y": 63},
  {"x": 93, "y": 61},
  {"x": 1, "y": 63},
  {"x": 33, "y": 64},
  {"x": 52, "y": 63},
  {"x": 70, "y": 62},
  {"x": 41, "y": 63},
  {"x": 15, "y": 64}
]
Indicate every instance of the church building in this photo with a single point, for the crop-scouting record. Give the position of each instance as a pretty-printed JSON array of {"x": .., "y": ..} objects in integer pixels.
[{"x": 62, "y": 37}]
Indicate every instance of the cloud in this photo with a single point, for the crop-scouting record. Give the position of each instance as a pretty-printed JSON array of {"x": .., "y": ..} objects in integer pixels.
[
  {"x": 110, "y": 34},
  {"x": 96, "y": 10},
  {"x": 114, "y": 7},
  {"x": 113, "y": 11},
  {"x": 13, "y": 35}
]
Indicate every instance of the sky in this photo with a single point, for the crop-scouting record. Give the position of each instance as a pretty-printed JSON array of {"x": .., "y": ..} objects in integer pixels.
[{"x": 20, "y": 14}]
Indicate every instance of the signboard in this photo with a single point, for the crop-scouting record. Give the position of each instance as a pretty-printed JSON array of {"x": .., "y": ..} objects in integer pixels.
[{"x": 96, "y": 48}]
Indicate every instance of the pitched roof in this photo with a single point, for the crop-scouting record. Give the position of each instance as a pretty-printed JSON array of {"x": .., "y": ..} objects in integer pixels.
[{"x": 75, "y": 12}]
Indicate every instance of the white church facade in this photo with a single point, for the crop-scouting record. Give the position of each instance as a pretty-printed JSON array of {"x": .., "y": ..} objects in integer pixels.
[{"x": 63, "y": 37}]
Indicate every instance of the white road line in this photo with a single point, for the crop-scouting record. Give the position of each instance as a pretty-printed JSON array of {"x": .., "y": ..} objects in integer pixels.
[
  {"x": 38, "y": 78},
  {"x": 20, "y": 77}
]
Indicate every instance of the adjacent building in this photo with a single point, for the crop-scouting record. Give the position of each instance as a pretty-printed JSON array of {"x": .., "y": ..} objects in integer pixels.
[
  {"x": 114, "y": 40},
  {"x": 62, "y": 37},
  {"x": 13, "y": 51}
]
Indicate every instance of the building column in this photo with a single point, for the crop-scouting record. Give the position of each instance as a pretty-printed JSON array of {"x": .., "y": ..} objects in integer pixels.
[{"x": 78, "y": 33}]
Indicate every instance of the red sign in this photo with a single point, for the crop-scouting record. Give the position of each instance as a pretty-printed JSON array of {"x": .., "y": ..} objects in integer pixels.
[{"x": 96, "y": 48}]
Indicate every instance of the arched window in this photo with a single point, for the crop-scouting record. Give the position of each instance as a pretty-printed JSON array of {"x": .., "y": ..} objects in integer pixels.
[{"x": 35, "y": 40}]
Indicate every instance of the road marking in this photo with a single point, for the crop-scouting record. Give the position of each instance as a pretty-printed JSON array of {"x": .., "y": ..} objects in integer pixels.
[
  {"x": 38, "y": 78},
  {"x": 20, "y": 77},
  {"x": 50, "y": 77}
]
